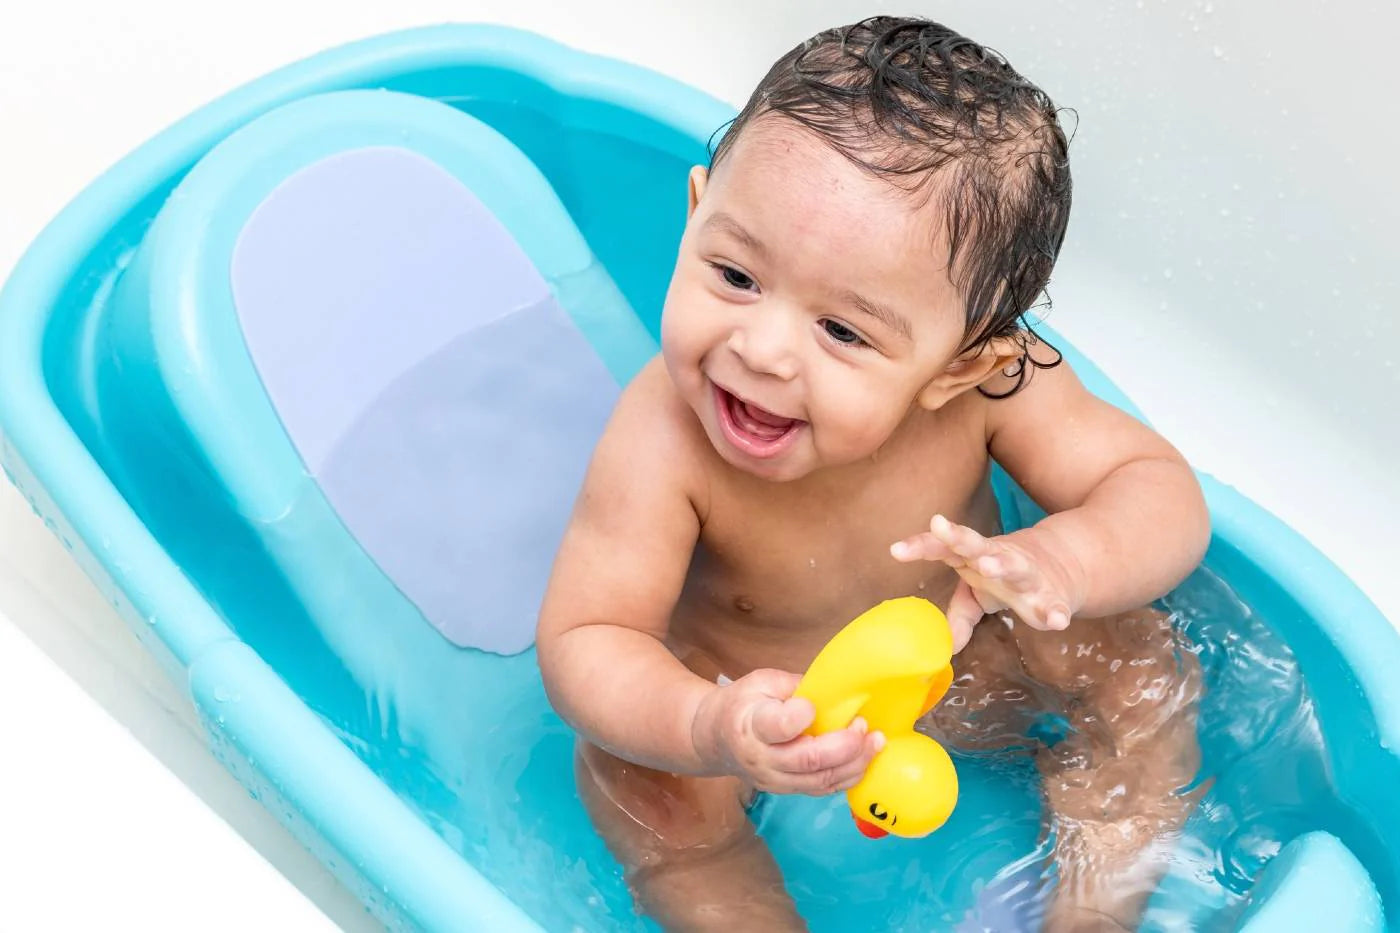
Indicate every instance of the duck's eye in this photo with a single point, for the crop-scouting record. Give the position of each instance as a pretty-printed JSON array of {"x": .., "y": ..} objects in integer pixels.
[{"x": 876, "y": 812}]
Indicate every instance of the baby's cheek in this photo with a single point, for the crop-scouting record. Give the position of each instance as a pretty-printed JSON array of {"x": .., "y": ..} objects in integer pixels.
[
  {"x": 863, "y": 428},
  {"x": 682, "y": 345}
]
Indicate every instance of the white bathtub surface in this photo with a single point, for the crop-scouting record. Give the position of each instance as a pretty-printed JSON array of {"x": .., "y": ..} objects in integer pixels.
[
  {"x": 96, "y": 833},
  {"x": 113, "y": 814}
]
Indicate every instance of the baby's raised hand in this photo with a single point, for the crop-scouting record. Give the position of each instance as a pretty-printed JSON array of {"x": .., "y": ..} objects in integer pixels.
[
  {"x": 1018, "y": 572},
  {"x": 752, "y": 729}
]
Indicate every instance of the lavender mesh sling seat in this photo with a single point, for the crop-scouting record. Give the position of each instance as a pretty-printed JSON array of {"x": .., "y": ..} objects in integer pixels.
[{"x": 392, "y": 348}]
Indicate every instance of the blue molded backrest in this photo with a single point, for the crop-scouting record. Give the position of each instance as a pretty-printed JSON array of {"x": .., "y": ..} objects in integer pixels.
[{"x": 436, "y": 345}]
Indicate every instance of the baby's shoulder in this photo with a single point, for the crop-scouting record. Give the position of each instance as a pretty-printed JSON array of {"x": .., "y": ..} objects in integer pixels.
[
  {"x": 650, "y": 410},
  {"x": 653, "y": 433}
]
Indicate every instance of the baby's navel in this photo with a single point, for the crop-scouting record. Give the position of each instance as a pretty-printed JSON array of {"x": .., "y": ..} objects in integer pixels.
[{"x": 743, "y": 604}]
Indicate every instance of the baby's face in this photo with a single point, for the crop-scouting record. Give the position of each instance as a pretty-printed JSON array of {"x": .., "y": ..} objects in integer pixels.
[{"x": 810, "y": 306}]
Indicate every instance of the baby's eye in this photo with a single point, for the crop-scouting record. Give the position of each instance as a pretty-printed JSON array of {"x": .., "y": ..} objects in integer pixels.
[
  {"x": 842, "y": 334},
  {"x": 736, "y": 279}
]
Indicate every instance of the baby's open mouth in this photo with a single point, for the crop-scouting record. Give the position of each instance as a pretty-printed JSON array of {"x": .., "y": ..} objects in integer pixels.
[{"x": 756, "y": 431}]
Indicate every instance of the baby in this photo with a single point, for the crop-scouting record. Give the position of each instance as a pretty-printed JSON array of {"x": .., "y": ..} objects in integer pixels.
[{"x": 844, "y": 353}]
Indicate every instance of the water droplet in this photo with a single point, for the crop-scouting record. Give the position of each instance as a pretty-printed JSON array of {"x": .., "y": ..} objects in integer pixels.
[{"x": 1218, "y": 52}]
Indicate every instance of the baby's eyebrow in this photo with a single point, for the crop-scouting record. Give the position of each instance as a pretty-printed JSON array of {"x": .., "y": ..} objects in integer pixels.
[
  {"x": 891, "y": 319},
  {"x": 727, "y": 224}
]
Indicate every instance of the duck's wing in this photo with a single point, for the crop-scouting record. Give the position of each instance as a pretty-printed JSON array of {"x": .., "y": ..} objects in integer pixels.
[{"x": 942, "y": 680}]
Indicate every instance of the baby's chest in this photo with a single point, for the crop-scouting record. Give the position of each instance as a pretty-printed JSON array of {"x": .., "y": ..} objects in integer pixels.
[{"x": 827, "y": 557}]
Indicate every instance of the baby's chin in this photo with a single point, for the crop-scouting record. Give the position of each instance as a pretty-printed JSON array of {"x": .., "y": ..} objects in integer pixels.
[{"x": 790, "y": 466}]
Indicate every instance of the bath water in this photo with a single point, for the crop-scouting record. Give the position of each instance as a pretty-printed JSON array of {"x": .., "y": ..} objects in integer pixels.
[{"x": 485, "y": 762}]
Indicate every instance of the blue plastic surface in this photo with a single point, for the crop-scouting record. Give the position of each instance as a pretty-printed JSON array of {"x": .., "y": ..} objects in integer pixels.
[
  {"x": 393, "y": 364},
  {"x": 113, "y": 462},
  {"x": 1315, "y": 883}
]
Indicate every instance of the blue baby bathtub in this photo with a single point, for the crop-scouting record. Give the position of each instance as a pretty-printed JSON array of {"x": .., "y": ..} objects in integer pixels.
[{"x": 306, "y": 385}]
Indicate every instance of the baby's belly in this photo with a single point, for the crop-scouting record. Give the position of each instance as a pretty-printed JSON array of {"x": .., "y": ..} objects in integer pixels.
[{"x": 767, "y": 587}]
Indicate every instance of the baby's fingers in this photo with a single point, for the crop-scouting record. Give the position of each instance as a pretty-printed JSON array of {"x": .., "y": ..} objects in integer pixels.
[
  {"x": 844, "y": 778},
  {"x": 960, "y": 539},
  {"x": 824, "y": 764},
  {"x": 1052, "y": 618},
  {"x": 812, "y": 754},
  {"x": 964, "y": 612},
  {"x": 924, "y": 546},
  {"x": 1010, "y": 567},
  {"x": 777, "y": 721}
]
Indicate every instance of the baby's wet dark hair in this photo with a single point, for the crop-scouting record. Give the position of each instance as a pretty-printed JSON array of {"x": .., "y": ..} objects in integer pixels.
[{"x": 941, "y": 116}]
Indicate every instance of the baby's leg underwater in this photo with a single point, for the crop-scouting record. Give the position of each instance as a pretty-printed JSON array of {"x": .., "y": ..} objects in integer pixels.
[
  {"x": 693, "y": 858},
  {"x": 993, "y": 703},
  {"x": 1120, "y": 785}
]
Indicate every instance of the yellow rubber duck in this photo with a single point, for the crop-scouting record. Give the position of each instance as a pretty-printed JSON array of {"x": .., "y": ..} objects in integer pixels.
[{"x": 890, "y": 666}]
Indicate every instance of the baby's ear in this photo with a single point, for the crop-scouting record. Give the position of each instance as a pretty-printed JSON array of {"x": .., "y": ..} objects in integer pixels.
[
  {"x": 970, "y": 370},
  {"x": 699, "y": 175}
]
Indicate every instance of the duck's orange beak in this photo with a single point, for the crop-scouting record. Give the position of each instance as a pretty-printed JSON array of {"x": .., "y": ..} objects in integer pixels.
[{"x": 869, "y": 829}]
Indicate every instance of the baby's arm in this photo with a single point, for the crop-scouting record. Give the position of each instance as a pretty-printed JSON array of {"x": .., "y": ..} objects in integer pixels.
[
  {"x": 601, "y": 639},
  {"x": 1127, "y": 518},
  {"x": 623, "y": 559},
  {"x": 1126, "y": 512}
]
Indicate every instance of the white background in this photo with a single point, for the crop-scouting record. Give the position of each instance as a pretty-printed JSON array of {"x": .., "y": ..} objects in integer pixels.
[{"x": 1230, "y": 263}]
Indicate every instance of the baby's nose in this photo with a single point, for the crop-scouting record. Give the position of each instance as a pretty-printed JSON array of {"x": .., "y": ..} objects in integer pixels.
[{"x": 766, "y": 344}]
